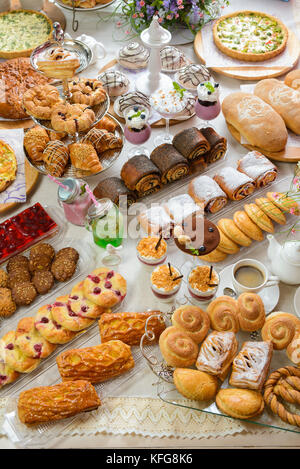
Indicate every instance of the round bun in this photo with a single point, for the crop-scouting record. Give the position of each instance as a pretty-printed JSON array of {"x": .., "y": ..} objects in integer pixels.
[
  {"x": 280, "y": 329},
  {"x": 195, "y": 384},
  {"x": 251, "y": 311},
  {"x": 240, "y": 403},
  {"x": 177, "y": 348},
  {"x": 223, "y": 314}
]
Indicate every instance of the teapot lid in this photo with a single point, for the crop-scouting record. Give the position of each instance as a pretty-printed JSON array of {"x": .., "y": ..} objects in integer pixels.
[{"x": 291, "y": 251}]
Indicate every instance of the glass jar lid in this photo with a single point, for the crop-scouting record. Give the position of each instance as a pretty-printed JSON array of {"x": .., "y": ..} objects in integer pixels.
[
  {"x": 101, "y": 209},
  {"x": 71, "y": 190}
]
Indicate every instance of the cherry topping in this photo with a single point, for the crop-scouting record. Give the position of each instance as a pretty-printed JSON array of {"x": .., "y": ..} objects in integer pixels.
[
  {"x": 10, "y": 346},
  {"x": 118, "y": 293},
  {"x": 94, "y": 278},
  {"x": 27, "y": 337},
  {"x": 38, "y": 349},
  {"x": 110, "y": 274},
  {"x": 107, "y": 285},
  {"x": 84, "y": 309},
  {"x": 3, "y": 378},
  {"x": 58, "y": 326},
  {"x": 58, "y": 303},
  {"x": 75, "y": 297},
  {"x": 97, "y": 290},
  {"x": 44, "y": 320}
]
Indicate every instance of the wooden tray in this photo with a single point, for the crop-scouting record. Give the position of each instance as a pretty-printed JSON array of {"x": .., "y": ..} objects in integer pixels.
[
  {"x": 253, "y": 72},
  {"x": 159, "y": 123},
  {"x": 289, "y": 155},
  {"x": 31, "y": 177}
]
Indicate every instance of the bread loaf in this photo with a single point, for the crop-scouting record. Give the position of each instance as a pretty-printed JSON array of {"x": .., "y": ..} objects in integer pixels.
[
  {"x": 283, "y": 99},
  {"x": 256, "y": 121}
]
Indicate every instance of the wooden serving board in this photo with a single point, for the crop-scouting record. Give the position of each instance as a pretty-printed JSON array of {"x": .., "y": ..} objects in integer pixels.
[
  {"x": 31, "y": 177},
  {"x": 159, "y": 123},
  {"x": 255, "y": 72},
  {"x": 288, "y": 155}
]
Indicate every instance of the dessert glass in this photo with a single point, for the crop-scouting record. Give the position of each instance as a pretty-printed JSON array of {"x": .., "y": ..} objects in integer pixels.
[
  {"x": 151, "y": 251},
  {"x": 202, "y": 288},
  {"x": 164, "y": 285},
  {"x": 169, "y": 104},
  {"x": 207, "y": 106},
  {"x": 137, "y": 130}
]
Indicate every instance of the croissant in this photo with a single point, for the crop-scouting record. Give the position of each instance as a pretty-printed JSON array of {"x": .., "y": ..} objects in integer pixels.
[
  {"x": 35, "y": 142},
  {"x": 56, "y": 157},
  {"x": 106, "y": 123},
  {"x": 84, "y": 156},
  {"x": 102, "y": 140}
]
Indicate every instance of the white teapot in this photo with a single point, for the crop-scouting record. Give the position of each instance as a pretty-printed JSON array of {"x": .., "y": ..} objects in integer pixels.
[{"x": 285, "y": 260}]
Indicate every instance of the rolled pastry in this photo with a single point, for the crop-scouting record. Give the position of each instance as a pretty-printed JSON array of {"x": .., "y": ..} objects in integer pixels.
[
  {"x": 216, "y": 353},
  {"x": 141, "y": 175},
  {"x": 191, "y": 143},
  {"x": 180, "y": 206},
  {"x": 292, "y": 79},
  {"x": 170, "y": 162},
  {"x": 113, "y": 188},
  {"x": 207, "y": 193},
  {"x": 283, "y": 99},
  {"x": 258, "y": 167},
  {"x": 218, "y": 144},
  {"x": 235, "y": 184},
  {"x": 156, "y": 221},
  {"x": 256, "y": 121},
  {"x": 251, "y": 365}
]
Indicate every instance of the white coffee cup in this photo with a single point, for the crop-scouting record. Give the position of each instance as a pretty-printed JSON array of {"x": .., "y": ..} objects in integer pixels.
[{"x": 269, "y": 280}]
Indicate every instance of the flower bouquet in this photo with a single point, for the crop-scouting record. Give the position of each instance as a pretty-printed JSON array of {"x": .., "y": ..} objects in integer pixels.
[{"x": 192, "y": 14}]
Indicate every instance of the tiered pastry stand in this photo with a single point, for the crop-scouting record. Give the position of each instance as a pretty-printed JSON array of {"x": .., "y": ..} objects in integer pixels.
[{"x": 84, "y": 55}]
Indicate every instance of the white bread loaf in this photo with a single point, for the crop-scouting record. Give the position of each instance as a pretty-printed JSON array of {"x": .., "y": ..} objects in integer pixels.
[
  {"x": 256, "y": 121},
  {"x": 283, "y": 99}
]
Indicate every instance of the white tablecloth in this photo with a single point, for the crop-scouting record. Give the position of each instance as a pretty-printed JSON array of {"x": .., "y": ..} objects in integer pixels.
[{"x": 139, "y": 295}]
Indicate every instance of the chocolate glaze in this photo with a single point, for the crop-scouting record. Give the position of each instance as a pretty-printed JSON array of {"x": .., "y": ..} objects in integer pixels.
[{"x": 204, "y": 235}]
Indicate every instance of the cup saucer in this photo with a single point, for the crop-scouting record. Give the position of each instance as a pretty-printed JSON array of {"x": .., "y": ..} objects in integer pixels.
[
  {"x": 297, "y": 301},
  {"x": 269, "y": 295}
]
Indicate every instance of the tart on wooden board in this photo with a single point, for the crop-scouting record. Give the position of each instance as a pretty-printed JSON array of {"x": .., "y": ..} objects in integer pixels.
[
  {"x": 250, "y": 35},
  {"x": 21, "y": 31}
]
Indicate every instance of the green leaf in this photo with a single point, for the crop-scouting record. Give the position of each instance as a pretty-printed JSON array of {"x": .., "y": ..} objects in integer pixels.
[
  {"x": 178, "y": 88},
  {"x": 209, "y": 86}
]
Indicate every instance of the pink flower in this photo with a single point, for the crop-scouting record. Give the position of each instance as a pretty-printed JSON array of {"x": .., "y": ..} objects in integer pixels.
[
  {"x": 180, "y": 7},
  {"x": 142, "y": 15},
  {"x": 142, "y": 3},
  {"x": 118, "y": 24},
  {"x": 179, "y": 2},
  {"x": 200, "y": 14},
  {"x": 193, "y": 26},
  {"x": 295, "y": 180},
  {"x": 160, "y": 20},
  {"x": 176, "y": 15},
  {"x": 169, "y": 17},
  {"x": 127, "y": 32},
  {"x": 292, "y": 211},
  {"x": 293, "y": 231},
  {"x": 134, "y": 15},
  {"x": 275, "y": 195}
]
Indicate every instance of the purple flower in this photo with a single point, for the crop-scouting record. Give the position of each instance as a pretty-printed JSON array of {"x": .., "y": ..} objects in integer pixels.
[{"x": 166, "y": 4}]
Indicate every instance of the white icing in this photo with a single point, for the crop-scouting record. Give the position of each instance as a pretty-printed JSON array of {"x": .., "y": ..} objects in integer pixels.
[
  {"x": 214, "y": 351},
  {"x": 134, "y": 53},
  {"x": 206, "y": 188},
  {"x": 113, "y": 79},
  {"x": 204, "y": 94},
  {"x": 181, "y": 206}
]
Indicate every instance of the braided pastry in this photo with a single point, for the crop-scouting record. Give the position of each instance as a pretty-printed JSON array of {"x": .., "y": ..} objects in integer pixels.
[
  {"x": 87, "y": 91},
  {"x": 280, "y": 329},
  {"x": 251, "y": 312},
  {"x": 286, "y": 390},
  {"x": 271, "y": 398},
  {"x": 223, "y": 314},
  {"x": 193, "y": 321}
]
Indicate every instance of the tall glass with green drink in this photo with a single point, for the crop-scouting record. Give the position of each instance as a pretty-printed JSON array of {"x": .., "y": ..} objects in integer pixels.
[{"x": 105, "y": 221}]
